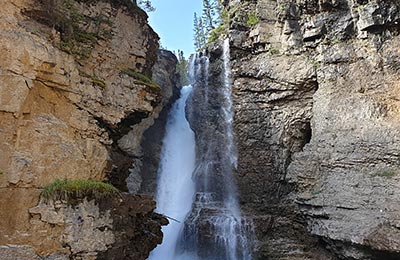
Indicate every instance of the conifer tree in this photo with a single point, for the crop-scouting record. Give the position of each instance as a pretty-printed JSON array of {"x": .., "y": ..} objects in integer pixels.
[
  {"x": 200, "y": 37},
  {"x": 206, "y": 24},
  {"x": 209, "y": 12},
  {"x": 182, "y": 68},
  {"x": 146, "y": 5},
  {"x": 196, "y": 29},
  {"x": 202, "y": 34}
]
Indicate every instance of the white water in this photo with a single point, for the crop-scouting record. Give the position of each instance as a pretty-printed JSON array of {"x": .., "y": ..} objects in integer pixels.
[
  {"x": 175, "y": 187},
  {"x": 211, "y": 226}
]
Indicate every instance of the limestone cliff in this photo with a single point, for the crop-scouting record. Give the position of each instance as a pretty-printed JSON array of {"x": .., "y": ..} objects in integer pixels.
[
  {"x": 74, "y": 86},
  {"x": 317, "y": 121}
]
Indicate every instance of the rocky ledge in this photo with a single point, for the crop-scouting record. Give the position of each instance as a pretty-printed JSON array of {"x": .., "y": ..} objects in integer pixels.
[
  {"x": 317, "y": 122},
  {"x": 75, "y": 83}
]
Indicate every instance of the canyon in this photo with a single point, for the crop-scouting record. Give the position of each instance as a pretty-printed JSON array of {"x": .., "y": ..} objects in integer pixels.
[{"x": 85, "y": 94}]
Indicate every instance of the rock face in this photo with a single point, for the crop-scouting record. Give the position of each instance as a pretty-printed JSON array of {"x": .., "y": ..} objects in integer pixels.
[
  {"x": 74, "y": 104},
  {"x": 164, "y": 75},
  {"x": 317, "y": 123}
]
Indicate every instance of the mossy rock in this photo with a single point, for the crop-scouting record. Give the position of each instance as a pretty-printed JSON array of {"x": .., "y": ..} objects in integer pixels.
[
  {"x": 72, "y": 190},
  {"x": 141, "y": 79}
]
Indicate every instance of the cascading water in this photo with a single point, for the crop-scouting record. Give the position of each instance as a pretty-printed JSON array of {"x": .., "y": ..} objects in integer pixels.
[
  {"x": 212, "y": 227},
  {"x": 175, "y": 189}
]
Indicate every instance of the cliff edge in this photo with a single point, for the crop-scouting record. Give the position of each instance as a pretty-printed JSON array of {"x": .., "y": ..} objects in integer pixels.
[{"x": 75, "y": 82}]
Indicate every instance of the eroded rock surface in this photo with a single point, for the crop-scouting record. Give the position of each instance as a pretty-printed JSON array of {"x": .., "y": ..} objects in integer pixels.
[
  {"x": 316, "y": 102},
  {"x": 69, "y": 93}
]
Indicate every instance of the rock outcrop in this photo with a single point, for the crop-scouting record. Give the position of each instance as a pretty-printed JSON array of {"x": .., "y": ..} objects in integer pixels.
[
  {"x": 317, "y": 123},
  {"x": 143, "y": 177},
  {"x": 74, "y": 86}
]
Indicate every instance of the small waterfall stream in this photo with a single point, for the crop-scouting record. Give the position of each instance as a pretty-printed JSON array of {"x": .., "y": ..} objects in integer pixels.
[
  {"x": 200, "y": 190},
  {"x": 175, "y": 188}
]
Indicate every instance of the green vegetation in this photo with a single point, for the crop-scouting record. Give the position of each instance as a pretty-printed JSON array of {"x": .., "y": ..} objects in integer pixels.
[
  {"x": 216, "y": 33},
  {"x": 210, "y": 25},
  {"x": 388, "y": 173},
  {"x": 182, "y": 69},
  {"x": 79, "y": 33},
  {"x": 252, "y": 19},
  {"x": 335, "y": 41},
  {"x": 98, "y": 82},
  {"x": 137, "y": 75},
  {"x": 140, "y": 78},
  {"x": 95, "y": 80},
  {"x": 70, "y": 190},
  {"x": 273, "y": 51},
  {"x": 146, "y": 5},
  {"x": 283, "y": 9}
]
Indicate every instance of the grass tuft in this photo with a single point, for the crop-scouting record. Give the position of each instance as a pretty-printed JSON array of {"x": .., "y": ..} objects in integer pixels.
[
  {"x": 141, "y": 78},
  {"x": 70, "y": 190},
  {"x": 137, "y": 75},
  {"x": 98, "y": 82}
]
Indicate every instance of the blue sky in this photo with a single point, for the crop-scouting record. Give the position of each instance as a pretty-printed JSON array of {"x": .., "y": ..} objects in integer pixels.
[{"x": 173, "y": 21}]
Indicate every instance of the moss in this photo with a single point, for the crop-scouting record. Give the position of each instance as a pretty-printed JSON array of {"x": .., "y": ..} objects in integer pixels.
[
  {"x": 141, "y": 79},
  {"x": 98, "y": 82},
  {"x": 86, "y": 37},
  {"x": 283, "y": 8},
  {"x": 335, "y": 41},
  {"x": 70, "y": 190},
  {"x": 217, "y": 32},
  {"x": 99, "y": 19},
  {"x": 317, "y": 64},
  {"x": 273, "y": 51},
  {"x": 152, "y": 86},
  {"x": 389, "y": 173},
  {"x": 252, "y": 19},
  {"x": 137, "y": 75}
]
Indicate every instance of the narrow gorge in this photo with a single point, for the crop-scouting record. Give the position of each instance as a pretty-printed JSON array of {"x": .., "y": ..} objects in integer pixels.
[{"x": 284, "y": 146}]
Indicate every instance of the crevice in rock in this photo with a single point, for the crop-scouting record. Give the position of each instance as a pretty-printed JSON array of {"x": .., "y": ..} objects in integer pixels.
[
  {"x": 123, "y": 127},
  {"x": 307, "y": 133}
]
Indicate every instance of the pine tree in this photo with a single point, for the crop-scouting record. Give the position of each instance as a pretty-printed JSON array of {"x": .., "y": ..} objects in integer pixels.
[
  {"x": 182, "y": 68},
  {"x": 203, "y": 35},
  {"x": 206, "y": 25},
  {"x": 146, "y": 5},
  {"x": 197, "y": 40},
  {"x": 209, "y": 12},
  {"x": 200, "y": 38}
]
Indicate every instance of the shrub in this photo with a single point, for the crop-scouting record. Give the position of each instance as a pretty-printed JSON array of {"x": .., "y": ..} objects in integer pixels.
[
  {"x": 252, "y": 19},
  {"x": 140, "y": 78},
  {"x": 217, "y": 32},
  {"x": 69, "y": 190}
]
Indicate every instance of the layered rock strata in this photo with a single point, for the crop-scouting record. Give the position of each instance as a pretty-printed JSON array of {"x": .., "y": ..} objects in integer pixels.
[
  {"x": 73, "y": 82},
  {"x": 316, "y": 102}
]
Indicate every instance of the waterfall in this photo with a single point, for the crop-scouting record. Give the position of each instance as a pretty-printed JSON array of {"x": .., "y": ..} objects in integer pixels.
[
  {"x": 212, "y": 227},
  {"x": 175, "y": 188}
]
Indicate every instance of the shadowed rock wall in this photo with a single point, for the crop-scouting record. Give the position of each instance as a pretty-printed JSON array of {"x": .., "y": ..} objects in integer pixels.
[{"x": 317, "y": 123}]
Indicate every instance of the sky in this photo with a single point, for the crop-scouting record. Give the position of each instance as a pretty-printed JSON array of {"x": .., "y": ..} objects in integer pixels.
[{"x": 173, "y": 22}]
